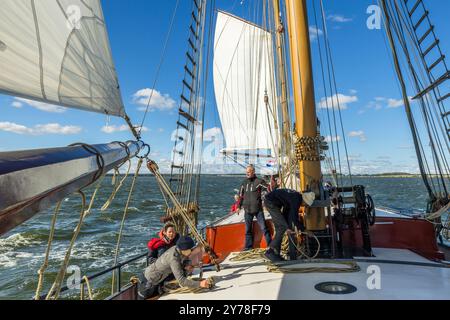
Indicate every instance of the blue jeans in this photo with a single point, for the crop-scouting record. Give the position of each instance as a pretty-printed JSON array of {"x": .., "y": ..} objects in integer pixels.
[{"x": 249, "y": 229}]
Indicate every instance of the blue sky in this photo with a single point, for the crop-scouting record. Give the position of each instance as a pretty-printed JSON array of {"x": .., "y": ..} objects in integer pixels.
[{"x": 376, "y": 129}]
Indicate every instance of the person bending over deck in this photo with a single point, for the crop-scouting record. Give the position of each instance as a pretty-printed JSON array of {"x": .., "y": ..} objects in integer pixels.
[
  {"x": 284, "y": 205},
  {"x": 168, "y": 237},
  {"x": 250, "y": 194},
  {"x": 170, "y": 264}
]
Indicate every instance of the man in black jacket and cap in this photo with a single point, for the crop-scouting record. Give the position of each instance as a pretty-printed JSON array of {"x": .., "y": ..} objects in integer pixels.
[
  {"x": 251, "y": 200},
  {"x": 284, "y": 205},
  {"x": 171, "y": 263}
]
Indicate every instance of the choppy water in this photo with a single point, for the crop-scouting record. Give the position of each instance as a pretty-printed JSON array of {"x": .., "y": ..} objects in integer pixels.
[{"x": 22, "y": 251}]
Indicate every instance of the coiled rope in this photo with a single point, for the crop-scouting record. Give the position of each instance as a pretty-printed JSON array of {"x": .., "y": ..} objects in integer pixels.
[
  {"x": 173, "y": 287},
  {"x": 125, "y": 213},
  {"x": 254, "y": 254},
  {"x": 351, "y": 267}
]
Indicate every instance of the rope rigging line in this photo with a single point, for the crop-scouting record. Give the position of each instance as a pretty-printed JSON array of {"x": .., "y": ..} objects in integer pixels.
[
  {"x": 399, "y": 24},
  {"x": 333, "y": 73},
  {"x": 56, "y": 287},
  {"x": 163, "y": 56},
  {"x": 88, "y": 285},
  {"x": 417, "y": 142},
  {"x": 47, "y": 252},
  {"x": 426, "y": 100},
  {"x": 118, "y": 184},
  {"x": 327, "y": 107},
  {"x": 125, "y": 213}
]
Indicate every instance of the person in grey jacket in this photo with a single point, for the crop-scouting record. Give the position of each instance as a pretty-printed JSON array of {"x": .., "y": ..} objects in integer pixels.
[
  {"x": 169, "y": 264},
  {"x": 251, "y": 200}
]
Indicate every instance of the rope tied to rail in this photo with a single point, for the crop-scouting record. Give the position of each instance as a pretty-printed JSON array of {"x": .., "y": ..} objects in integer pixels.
[
  {"x": 47, "y": 252},
  {"x": 86, "y": 281},
  {"x": 182, "y": 211}
]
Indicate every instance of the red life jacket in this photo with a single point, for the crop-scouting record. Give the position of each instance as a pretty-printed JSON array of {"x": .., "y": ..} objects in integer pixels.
[{"x": 156, "y": 243}]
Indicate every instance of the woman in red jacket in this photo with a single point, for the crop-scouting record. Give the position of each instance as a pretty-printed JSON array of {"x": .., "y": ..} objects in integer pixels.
[{"x": 168, "y": 237}]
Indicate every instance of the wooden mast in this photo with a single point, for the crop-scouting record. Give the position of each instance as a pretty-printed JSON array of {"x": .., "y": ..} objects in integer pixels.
[
  {"x": 286, "y": 124},
  {"x": 304, "y": 101}
]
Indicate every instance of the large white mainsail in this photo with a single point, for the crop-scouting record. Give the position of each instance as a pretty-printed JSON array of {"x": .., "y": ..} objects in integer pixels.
[
  {"x": 57, "y": 51},
  {"x": 243, "y": 74}
]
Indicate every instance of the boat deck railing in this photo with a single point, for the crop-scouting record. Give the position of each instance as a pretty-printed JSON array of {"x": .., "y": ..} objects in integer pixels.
[{"x": 118, "y": 267}]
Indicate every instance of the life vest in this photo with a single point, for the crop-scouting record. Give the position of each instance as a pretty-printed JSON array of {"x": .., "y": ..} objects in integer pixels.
[{"x": 162, "y": 241}]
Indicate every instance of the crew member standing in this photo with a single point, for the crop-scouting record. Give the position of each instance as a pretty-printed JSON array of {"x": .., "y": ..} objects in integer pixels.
[{"x": 251, "y": 201}]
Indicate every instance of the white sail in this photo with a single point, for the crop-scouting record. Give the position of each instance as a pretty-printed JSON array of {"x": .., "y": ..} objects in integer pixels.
[
  {"x": 57, "y": 51},
  {"x": 243, "y": 73}
]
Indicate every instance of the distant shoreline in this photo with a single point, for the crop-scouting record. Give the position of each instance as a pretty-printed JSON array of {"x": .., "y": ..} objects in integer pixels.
[{"x": 381, "y": 175}]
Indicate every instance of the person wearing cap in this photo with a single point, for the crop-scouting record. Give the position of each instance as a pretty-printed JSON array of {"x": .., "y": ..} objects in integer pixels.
[
  {"x": 284, "y": 205},
  {"x": 170, "y": 264}
]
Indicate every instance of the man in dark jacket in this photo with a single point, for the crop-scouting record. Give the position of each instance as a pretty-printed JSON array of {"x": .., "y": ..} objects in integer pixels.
[
  {"x": 284, "y": 205},
  {"x": 250, "y": 193},
  {"x": 170, "y": 263}
]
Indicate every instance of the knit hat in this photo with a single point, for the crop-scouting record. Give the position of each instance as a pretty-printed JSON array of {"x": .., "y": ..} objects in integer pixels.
[
  {"x": 308, "y": 198},
  {"x": 185, "y": 243}
]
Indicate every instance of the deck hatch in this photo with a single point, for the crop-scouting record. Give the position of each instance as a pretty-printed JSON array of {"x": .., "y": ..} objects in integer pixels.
[{"x": 335, "y": 288}]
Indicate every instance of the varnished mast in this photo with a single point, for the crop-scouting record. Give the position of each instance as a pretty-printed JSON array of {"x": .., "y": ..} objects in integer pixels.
[
  {"x": 304, "y": 101},
  {"x": 286, "y": 130}
]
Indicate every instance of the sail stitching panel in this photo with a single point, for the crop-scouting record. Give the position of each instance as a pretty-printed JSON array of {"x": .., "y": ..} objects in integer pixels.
[{"x": 38, "y": 40}]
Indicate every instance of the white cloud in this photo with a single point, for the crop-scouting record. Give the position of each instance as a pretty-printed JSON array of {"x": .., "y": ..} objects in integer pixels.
[
  {"x": 17, "y": 104},
  {"x": 41, "y": 129},
  {"x": 353, "y": 91},
  {"x": 344, "y": 101},
  {"x": 393, "y": 103},
  {"x": 40, "y": 105},
  {"x": 397, "y": 103},
  {"x": 314, "y": 32},
  {"x": 330, "y": 139},
  {"x": 358, "y": 134},
  {"x": 109, "y": 129},
  {"x": 158, "y": 100},
  {"x": 338, "y": 18}
]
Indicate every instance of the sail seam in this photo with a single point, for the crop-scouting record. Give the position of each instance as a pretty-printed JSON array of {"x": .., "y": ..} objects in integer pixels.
[{"x": 38, "y": 39}]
